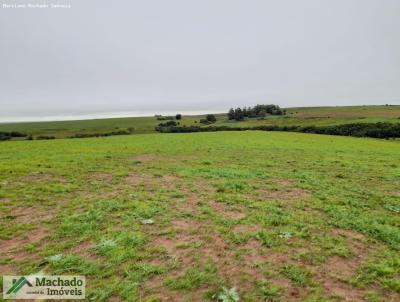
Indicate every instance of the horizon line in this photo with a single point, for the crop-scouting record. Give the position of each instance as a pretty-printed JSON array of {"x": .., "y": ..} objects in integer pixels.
[{"x": 140, "y": 113}]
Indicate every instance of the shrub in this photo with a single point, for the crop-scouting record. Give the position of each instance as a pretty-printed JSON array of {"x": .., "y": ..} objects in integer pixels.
[
  {"x": 166, "y": 125},
  {"x": 8, "y": 135},
  {"x": 4, "y": 137},
  {"x": 376, "y": 130},
  {"x": 205, "y": 121},
  {"x": 178, "y": 116},
  {"x": 17, "y": 134},
  {"x": 118, "y": 132},
  {"x": 211, "y": 118},
  {"x": 165, "y": 118},
  {"x": 45, "y": 137}
]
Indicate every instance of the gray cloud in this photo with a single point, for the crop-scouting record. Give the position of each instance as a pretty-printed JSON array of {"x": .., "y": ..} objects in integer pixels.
[{"x": 179, "y": 55}]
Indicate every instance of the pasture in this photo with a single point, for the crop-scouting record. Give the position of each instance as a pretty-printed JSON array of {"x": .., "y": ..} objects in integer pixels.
[
  {"x": 265, "y": 216},
  {"x": 305, "y": 116}
]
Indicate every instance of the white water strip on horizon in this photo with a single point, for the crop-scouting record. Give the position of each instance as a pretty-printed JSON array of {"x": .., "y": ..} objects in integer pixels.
[{"x": 102, "y": 115}]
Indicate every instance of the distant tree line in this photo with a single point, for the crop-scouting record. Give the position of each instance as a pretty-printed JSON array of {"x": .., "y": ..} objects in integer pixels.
[
  {"x": 118, "y": 132},
  {"x": 9, "y": 135},
  {"x": 160, "y": 117},
  {"x": 375, "y": 130},
  {"x": 259, "y": 111},
  {"x": 164, "y": 118},
  {"x": 43, "y": 137}
]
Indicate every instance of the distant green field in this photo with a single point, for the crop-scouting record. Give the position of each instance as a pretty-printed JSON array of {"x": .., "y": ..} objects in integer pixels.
[
  {"x": 318, "y": 116},
  {"x": 324, "y": 116},
  {"x": 267, "y": 216},
  {"x": 61, "y": 129}
]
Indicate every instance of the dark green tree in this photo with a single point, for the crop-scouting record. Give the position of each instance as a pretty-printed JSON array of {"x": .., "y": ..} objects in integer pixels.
[
  {"x": 231, "y": 114},
  {"x": 211, "y": 118}
]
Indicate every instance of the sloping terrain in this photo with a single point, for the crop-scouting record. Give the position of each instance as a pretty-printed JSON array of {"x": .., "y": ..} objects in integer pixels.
[
  {"x": 305, "y": 116},
  {"x": 178, "y": 217}
]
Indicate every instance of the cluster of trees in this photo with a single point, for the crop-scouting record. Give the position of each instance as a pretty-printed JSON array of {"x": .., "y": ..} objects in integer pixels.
[
  {"x": 259, "y": 111},
  {"x": 376, "y": 130},
  {"x": 9, "y": 135}
]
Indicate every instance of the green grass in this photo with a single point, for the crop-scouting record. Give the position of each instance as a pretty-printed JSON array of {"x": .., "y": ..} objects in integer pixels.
[
  {"x": 306, "y": 116},
  {"x": 325, "y": 116},
  {"x": 278, "y": 216},
  {"x": 62, "y": 129}
]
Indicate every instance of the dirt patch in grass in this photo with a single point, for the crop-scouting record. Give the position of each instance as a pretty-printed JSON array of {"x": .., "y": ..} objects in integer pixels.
[
  {"x": 15, "y": 244},
  {"x": 286, "y": 194},
  {"x": 179, "y": 248},
  {"x": 189, "y": 250},
  {"x": 42, "y": 177},
  {"x": 189, "y": 205},
  {"x": 337, "y": 288},
  {"x": 198, "y": 187},
  {"x": 184, "y": 224},
  {"x": 360, "y": 247},
  {"x": 226, "y": 211},
  {"x": 349, "y": 234},
  {"x": 170, "y": 178},
  {"x": 337, "y": 270},
  {"x": 101, "y": 177},
  {"x": 340, "y": 267},
  {"x": 268, "y": 257},
  {"x": 82, "y": 249},
  {"x": 345, "y": 267},
  {"x": 33, "y": 214},
  {"x": 160, "y": 292},
  {"x": 139, "y": 179},
  {"x": 145, "y": 158},
  {"x": 114, "y": 299},
  {"x": 6, "y": 269},
  {"x": 283, "y": 189},
  {"x": 183, "y": 202},
  {"x": 151, "y": 182},
  {"x": 15, "y": 248},
  {"x": 246, "y": 228}
]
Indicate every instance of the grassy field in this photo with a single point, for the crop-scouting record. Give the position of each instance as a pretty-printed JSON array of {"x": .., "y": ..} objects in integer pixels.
[
  {"x": 307, "y": 116},
  {"x": 324, "y": 116},
  {"x": 179, "y": 217},
  {"x": 62, "y": 129}
]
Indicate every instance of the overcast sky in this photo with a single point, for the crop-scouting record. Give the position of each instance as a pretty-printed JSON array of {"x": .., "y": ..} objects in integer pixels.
[{"x": 155, "y": 56}]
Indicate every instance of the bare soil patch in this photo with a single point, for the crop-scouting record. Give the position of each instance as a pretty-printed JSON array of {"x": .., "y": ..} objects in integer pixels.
[
  {"x": 15, "y": 248},
  {"x": 42, "y": 177},
  {"x": 226, "y": 211},
  {"x": 101, "y": 177},
  {"x": 145, "y": 158},
  {"x": 151, "y": 182},
  {"x": 33, "y": 214},
  {"x": 334, "y": 273},
  {"x": 285, "y": 190},
  {"x": 246, "y": 228}
]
